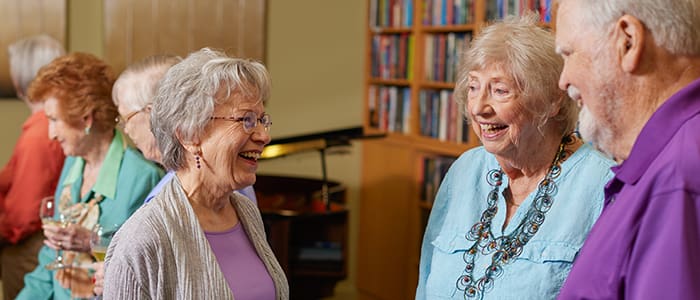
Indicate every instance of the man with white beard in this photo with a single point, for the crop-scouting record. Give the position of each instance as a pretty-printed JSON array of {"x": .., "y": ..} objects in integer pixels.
[{"x": 634, "y": 66}]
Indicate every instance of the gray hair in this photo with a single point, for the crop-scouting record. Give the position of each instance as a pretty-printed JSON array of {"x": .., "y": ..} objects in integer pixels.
[
  {"x": 189, "y": 92},
  {"x": 674, "y": 25},
  {"x": 526, "y": 50},
  {"x": 142, "y": 77},
  {"x": 28, "y": 55}
]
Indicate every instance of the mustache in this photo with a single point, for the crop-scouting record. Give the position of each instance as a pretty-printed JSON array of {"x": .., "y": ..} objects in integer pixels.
[{"x": 573, "y": 92}]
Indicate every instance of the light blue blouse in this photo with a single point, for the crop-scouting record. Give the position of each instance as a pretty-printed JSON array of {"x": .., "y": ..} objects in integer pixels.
[{"x": 546, "y": 259}]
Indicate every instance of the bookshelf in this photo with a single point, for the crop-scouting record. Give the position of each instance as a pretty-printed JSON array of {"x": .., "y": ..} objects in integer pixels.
[{"x": 412, "y": 54}]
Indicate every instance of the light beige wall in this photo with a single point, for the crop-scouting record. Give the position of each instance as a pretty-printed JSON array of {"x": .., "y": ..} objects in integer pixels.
[{"x": 316, "y": 58}]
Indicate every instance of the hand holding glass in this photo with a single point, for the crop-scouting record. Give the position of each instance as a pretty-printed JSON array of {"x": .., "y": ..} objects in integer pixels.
[{"x": 47, "y": 212}]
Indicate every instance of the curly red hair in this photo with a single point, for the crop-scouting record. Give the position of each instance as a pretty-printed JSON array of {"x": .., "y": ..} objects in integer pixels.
[{"x": 82, "y": 85}]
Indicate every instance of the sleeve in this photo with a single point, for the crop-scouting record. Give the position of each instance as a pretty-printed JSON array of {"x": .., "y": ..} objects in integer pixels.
[
  {"x": 435, "y": 222},
  {"x": 38, "y": 284},
  {"x": 664, "y": 259},
  {"x": 37, "y": 166},
  {"x": 121, "y": 283},
  {"x": 125, "y": 277}
]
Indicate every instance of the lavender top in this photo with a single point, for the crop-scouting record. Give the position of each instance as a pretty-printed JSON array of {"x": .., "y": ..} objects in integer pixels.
[
  {"x": 646, "y": 243},
  {"x": 244, "y": 271}
]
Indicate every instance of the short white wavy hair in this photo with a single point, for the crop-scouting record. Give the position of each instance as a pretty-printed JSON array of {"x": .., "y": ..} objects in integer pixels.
[
  {"x": 187, "y": 94},
  {"x": 525, "y": 50},
  {"x": 674, "y": 24}
]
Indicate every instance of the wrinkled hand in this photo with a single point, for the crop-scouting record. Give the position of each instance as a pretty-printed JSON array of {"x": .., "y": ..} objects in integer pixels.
[
  {"x": 72, "y": 237},
  {"x": 99, "y": 277}
]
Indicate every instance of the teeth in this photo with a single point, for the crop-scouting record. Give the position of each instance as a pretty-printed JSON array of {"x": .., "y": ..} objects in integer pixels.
[
  {"x": 251, "y": 155},
  {"x": 491, "y": 127}
]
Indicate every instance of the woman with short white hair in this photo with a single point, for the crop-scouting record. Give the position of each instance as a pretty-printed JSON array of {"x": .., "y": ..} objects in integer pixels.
[{"x": 197, "y": 239}]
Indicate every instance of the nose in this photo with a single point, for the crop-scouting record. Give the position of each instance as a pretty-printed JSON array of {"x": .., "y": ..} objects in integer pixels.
[
  {"x": 478, "y": 103},
  {"x": 563, "y": 81},
  {"x": 261, "y": 134}
]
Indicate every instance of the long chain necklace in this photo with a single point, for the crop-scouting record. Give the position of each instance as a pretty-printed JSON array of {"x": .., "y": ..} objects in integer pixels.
[{"x": 506, "y": 248}]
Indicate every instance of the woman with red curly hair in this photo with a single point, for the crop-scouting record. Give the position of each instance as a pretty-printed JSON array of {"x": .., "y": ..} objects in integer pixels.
[{"x": 104, "y": 180}]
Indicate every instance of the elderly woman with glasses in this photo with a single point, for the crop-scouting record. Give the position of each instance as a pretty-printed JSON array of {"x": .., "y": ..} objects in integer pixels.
[
  {"x": 197, "y": 239},
  {"x": 104, "y": 180},
  {"x": 510, "y": 216}
]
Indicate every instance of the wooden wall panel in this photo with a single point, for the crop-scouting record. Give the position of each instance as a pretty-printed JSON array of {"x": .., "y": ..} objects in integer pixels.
[
  {"x": 23, "y": 18},
  {"x": 135, "y": 29}
]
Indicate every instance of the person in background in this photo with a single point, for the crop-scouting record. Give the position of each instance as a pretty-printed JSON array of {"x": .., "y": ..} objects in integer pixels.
[
  {"x": 634, "y": 66},
  {"x": 32, "y": 171},
  {"x": 510, "y": 216},
  {"x": 133, "y": 93},
  {"x": 103, "y": 180},
  {"x": 197, "y": 239}
]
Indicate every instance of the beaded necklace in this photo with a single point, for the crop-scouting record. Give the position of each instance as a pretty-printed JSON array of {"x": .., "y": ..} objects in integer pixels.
[{"x": 506, "y": 248}]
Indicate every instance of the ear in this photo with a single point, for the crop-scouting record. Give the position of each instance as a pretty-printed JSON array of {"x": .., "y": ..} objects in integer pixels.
[
  {"x": 191, "y": 146},
  {"x": 629, "y": 42},
  {"x": 87, "y": 120}
]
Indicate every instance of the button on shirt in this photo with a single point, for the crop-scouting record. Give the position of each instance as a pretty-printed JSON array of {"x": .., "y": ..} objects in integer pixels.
[{"x": 646, "y": 244}]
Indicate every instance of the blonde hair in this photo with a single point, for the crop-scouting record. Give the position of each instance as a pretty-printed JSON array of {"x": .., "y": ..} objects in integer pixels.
[{"x": 525, "y": 50}]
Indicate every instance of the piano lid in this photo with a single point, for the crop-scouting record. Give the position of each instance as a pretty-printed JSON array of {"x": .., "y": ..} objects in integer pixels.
[{"x": 314, "y": 141}]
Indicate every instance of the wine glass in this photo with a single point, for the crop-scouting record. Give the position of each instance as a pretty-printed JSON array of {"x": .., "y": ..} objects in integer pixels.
[
  {"x": 47, "y": 213},
  {"x": 100, "y": 240}
]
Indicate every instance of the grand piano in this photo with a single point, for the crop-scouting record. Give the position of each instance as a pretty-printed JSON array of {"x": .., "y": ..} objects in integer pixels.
[{"x": 306, "y": 218}]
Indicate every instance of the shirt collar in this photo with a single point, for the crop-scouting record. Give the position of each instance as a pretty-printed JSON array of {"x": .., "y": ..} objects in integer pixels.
[
  {"x": 106, "y": 183},
  {"x": 658, "y": 131}
]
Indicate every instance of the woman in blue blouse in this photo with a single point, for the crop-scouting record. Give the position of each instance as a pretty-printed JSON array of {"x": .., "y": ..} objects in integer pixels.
[
  {"x": 104, "y": 180},
  {"x": 510, "y": 216}
]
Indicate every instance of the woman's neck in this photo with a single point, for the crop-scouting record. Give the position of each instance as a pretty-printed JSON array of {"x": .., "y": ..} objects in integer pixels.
[
  {"x": 200, "y": 192},
  {"x": 98, "y": 146},
  {"x": 210, "y": 204}
]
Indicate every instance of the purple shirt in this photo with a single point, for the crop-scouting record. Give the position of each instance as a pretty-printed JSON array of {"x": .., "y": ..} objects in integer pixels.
[
  {"x": 243, "y": 269},
  {"x": 646, "y": 243}
]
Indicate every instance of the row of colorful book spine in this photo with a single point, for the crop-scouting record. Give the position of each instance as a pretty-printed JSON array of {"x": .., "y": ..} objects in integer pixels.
[
  {"x": 392, "y": 56},
  {"x": 390, "y": 108},
  {"x": 447, "y": 12},
  {"x": 440, "y": 116},
  {"x": 434, "y": 169},
  {"x": 499, "y": 9},
  {"x": 391, "y": 13},
  {"x": 443, "y": 55}
]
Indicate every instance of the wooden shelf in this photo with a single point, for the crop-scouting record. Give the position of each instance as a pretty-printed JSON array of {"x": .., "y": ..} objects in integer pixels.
[
  {"x": 449, "y": 28},
  {"x": 397, "y": 82},
  {"x": 390, "y": 30},
  {"x": 392, "y": 213}
]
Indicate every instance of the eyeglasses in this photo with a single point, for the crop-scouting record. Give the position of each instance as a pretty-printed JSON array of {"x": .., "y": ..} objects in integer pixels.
[
  {"x": 122, "y": 121},
  {"x": 250, "y": 121}
]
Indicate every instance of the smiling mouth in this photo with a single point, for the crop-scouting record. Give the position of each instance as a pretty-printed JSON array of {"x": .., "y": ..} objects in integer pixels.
[
  {"x": 492, "y": 128},
  {"x": 250, "y": 155}
]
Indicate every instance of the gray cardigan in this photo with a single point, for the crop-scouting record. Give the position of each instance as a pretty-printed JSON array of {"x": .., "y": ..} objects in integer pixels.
[{"x": 161, "y": 252}]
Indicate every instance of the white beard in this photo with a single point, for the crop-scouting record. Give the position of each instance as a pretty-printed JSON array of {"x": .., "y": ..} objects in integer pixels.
[{"x": 592, "y": 130}]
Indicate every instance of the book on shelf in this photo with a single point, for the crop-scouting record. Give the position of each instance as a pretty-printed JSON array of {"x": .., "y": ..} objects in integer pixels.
[
  {"x": 434, "y": 170},
  {"x": 389, "y": 108}
]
